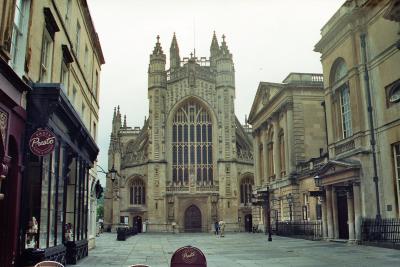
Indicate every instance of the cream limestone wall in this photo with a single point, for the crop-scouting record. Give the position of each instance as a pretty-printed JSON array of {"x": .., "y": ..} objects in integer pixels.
[
  {"x": 83, "y": 73},
  {"x": 166, "y": 203},
  {"x": 294, "y": 109},
  {"x": 383, "y": 59}
]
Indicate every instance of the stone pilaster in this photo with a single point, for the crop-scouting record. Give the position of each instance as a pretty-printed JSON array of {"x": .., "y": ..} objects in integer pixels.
[
  {"x": 357, "y": 211},
  {"x": 277, "y": 158},
  {"x": 329, "y": 215},
  {"x": 257, "y": 158},
  {"x": 265, "y": 156},
  {"x": 335, "y": 214},
  {"x": 324, "y": 217},
  {"x": 291, "y": 165},
  {"x": 350, "y": 209}
]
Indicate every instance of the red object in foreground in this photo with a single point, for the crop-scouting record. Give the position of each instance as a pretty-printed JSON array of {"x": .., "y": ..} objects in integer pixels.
[
  {"x": 188, "y": 256},
  {"x": 42, "y": 142}
]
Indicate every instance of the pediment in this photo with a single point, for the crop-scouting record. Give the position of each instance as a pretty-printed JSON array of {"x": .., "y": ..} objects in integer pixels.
[
  {"x": 265, "y": 92},
  {"x": 335, "y": 166}
]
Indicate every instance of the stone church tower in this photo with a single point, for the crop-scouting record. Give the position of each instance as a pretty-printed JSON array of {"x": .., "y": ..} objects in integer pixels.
[{"x": 191, "y": 163}]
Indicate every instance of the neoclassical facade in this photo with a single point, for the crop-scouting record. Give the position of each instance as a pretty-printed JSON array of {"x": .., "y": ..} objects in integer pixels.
[
  {"x": 191, "y": 163},
  {"x": 289, "y": 129},
  {"x": 360, "y": 56}
]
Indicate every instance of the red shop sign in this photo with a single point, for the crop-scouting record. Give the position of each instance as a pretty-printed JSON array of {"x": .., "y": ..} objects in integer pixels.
[
  {"x": 188, "y": 256},
  {"x": 42, "y": 142}
]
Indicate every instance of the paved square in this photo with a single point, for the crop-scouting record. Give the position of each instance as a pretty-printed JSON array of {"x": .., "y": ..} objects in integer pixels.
[{"x": 234, "y": 250}]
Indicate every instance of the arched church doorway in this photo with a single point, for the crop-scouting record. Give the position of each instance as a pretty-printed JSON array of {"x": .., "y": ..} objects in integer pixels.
[
  {"x": 248, "y": 223},
  {"x": 137, "y": 223},
  {"x": 193, "y": 219}
]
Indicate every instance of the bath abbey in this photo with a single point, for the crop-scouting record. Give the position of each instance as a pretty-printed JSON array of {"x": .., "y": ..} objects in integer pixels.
[{"x": 191, "y": 163}]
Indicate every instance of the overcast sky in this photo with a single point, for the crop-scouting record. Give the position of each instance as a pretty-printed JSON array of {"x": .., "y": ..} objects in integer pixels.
[{"x": 268, "y": 40}]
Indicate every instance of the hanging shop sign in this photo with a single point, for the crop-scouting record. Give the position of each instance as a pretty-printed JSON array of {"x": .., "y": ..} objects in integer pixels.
[{"x": 42, "y": 142}]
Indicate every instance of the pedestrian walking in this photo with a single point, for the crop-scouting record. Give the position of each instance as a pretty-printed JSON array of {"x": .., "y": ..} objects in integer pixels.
[
  {"x": 216, "y": 226},
  {"x": 221, "y": 228}
]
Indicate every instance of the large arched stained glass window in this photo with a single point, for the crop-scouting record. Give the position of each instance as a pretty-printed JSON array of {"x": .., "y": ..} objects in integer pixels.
[{"x": 192, "y": 145}]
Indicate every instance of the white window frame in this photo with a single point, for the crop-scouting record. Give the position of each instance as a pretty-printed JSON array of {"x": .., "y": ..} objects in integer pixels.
[
  {"x": 73, "y": 97},
  {"x": 68, "y": 11},
  {"x": 78, "y": 38},
  {"x": 46, "y": 57},
  {"x": 86, "y": 60},
  {"x": 17, "y": 32},
  {"x": 345, "y": 111},
  {"x": 64, "y": 78}
]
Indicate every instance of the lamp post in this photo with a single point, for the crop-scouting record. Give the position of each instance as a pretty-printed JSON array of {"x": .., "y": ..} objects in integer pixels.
[
  {"x": 268, "y": 211},
  {"x": 289, "y": 198},
  {"x": 261, "y": 198}
]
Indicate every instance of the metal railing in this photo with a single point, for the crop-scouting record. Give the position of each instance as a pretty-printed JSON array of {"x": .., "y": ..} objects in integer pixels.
[
  {"x": 300, "y": 229},
  {"x": 382, "y": 230}
]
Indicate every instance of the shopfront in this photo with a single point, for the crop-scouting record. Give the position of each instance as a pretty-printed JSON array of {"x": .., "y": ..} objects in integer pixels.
[
  {"x": 12, "y": 128},
  {"x": 59, "y": 154}
]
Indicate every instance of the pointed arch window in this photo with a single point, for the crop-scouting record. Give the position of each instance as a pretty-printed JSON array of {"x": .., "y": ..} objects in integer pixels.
[
  {"x": 137, "y": 192},
  {"x": 246, "y": 187},
  {"x": 192, "y": 150}
]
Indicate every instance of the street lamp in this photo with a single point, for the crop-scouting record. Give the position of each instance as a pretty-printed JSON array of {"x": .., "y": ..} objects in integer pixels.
[
  {"x": 289, "y": 199},
  {"x": 111, "y": 173},
  {"x": 318, "y": 181}
]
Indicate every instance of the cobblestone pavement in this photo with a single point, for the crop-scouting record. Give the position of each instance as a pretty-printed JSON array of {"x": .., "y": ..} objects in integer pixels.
[{"x": 234, "y": 250}]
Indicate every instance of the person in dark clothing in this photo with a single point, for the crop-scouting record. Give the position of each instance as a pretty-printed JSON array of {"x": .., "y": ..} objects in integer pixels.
[{"x": 216, "y": 225}]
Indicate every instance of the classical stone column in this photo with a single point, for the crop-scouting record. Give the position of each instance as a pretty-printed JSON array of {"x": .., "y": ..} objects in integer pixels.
[
  {"x": 324, "y": 217},
  {"x": 265, "y": 155},
  {"x": 291, "y": 166},
  {"x": 329, "y": 216},
  {"x": 357, "y": 211},
  {"x": 287, "y": 148},
  {"x": 335, "y": 214},
  {"x": 277, "y": 156},
  {"x": 256, "y": 148},
  {"x": 350, "y": 211}
]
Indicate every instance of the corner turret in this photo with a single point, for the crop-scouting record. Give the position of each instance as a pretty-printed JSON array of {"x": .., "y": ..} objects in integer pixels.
[
  {"x": 157, "y": 75},
  {"x": 214, "y": 50},
  {"x": 225, "y": 69},
  {"x": 175, "y": 59}
]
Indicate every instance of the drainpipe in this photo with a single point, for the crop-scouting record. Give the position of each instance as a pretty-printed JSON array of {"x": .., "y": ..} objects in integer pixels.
[
  {"x": 326, "y": 129},
  {"x": 371, "y": 125}
]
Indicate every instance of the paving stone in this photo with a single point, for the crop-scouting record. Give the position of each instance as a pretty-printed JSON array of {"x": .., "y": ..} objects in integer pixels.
[{"x": 235, "y": 250}]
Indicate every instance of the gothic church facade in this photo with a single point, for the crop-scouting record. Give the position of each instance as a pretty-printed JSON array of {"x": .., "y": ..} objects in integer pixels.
[{"x": 191, "y": 163}]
